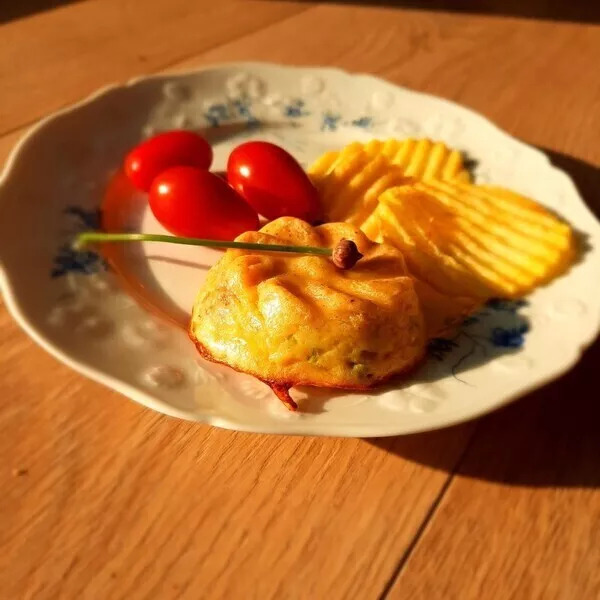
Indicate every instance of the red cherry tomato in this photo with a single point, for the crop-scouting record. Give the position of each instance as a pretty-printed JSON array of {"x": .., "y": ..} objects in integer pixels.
[
  {"x": 192, "y": 202},
  {"x": 169, "y": 149},
  {"x": 272, "y": 182}
]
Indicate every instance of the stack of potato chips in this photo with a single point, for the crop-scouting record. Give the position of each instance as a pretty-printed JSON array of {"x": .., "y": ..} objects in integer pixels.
[{"x": 464, "y": 243}]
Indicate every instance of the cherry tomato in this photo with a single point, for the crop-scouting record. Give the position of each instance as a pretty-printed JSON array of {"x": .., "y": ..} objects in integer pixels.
[
  {"x": 272, "y": 182},
  {"x": 169, "y": 149},
  {"x": 192, "y": 202}
]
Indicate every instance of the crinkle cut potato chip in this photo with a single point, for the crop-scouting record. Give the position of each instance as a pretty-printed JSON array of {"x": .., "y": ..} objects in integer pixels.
[
  {"x": 351, "y": 180},
  {"x": 422, "y": 159},
  {"x": 464, "y": 241},
  {"x": 299, "y": 320},
  {"x": 475, "y": 241}
]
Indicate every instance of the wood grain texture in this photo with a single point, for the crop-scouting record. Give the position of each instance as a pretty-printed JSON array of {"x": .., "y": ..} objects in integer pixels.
[
  {"x": 523, "y": 518},
  {"x": 103, "y": 499},
  {"x": 54, "y": 58}
]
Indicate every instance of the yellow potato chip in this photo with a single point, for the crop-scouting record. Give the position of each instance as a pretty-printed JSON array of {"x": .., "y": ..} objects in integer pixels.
[
  {"x": 422, "y": 158},
  {"x": 468, "y": 240},
  {"x": 411, "y": 218},
  {"x": 350, "y": 182},
  {"x": 418, "y": 158}
]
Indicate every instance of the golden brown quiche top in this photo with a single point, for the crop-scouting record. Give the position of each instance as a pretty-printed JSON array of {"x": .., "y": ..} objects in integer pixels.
[{"x": 298, "y": 319}]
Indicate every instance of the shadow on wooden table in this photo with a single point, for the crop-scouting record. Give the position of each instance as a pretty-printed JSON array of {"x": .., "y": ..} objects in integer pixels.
[
  {"x": 10, "y": 11},
  {"x": 585, "y": 175},
  {"x": 549, "y": 438},
  {"x": 585, "y": 11}
]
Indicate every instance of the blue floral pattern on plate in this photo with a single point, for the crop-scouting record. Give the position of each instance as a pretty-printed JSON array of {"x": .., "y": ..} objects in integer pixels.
[
  {"x": 497, "y": 328},
  {"x": 295, "y": 109},
  {"x": 243, "y": 109},
  {"x": 69, "y": 259},
  {"x": 239, "y": 109},
  {"x": 363, "y": 122}
]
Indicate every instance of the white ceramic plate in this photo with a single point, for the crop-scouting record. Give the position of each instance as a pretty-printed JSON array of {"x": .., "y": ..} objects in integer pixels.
[{"x": 78, "y": 310}]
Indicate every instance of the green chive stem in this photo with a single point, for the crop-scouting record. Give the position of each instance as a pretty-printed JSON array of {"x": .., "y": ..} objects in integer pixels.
[{"x": 89, "y": 237}]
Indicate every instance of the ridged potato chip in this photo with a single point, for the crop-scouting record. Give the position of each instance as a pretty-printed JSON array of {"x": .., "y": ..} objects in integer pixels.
[
  {"x": 351, "y": 180},
  {"x": 422, "y": 158},
  {"x": 418, "y": 158},
  {"x": 469, "y": 240}
]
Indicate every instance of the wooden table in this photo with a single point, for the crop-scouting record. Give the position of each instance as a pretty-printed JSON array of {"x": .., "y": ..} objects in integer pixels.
[{"x": 103, "y": 499}]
